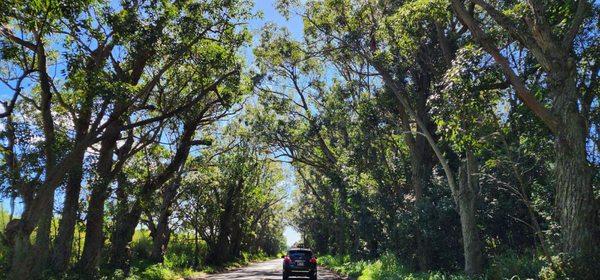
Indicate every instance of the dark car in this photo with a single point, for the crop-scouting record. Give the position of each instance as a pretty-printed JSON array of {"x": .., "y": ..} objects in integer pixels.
[{"x": 299, "y": 262}]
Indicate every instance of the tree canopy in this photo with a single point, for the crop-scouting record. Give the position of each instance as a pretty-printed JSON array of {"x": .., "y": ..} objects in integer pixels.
[{"x": 448, "y": 135}]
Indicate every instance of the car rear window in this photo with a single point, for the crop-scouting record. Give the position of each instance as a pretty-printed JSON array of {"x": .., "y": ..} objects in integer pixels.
[{"x": 300, "y": 255}]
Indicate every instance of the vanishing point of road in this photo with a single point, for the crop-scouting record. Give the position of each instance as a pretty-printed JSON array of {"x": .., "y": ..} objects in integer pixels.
[{"x": 269, "y": 270}]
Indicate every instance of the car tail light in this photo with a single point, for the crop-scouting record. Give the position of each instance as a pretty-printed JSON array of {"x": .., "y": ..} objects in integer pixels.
[
  {"x": 287, "y": 260},
  {"x": 313, "y": 260}
]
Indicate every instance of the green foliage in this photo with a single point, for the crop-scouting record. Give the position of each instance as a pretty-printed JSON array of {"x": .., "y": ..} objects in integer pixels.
[
  {"x": 368, "y": 185},
  {"x": 510, "y": 265},
  {"x": 158, "y": 272},
  {"x": 180, "y": 253},
  {"x": 4, "y": 250},
  {"x": 465, "y": 104},
  {"x": 387, "y": 267},
  {"x": 141, "y": 245},
  {"x": 344, "y": 265},
  {"x": 239, "y": 203}
]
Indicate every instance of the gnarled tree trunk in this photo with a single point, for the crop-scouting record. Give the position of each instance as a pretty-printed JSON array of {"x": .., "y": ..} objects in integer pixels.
[
  {"x": 125, "y": 224},
  {"x": 574, "y": 193},
  {"x": 420, "y": 161},
  {"x": 94, "y": 236},
  {"x": 41, "y": 248},
  {"x": 61, "y": 253},
  {"x": 218, "y": 254},
  {"x": 160, "y": 238},
  {"x": 21, "y": 260},
  {"x": 467, "y": 210}
]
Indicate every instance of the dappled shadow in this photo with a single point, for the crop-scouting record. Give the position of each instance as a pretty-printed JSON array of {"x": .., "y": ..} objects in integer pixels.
[{"x": 269, "y": 270}]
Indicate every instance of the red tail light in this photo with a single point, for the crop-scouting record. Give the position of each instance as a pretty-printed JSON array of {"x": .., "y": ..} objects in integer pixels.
[
  {"x": 313, "y": 260},
  {"x": 287, "y": 260}
]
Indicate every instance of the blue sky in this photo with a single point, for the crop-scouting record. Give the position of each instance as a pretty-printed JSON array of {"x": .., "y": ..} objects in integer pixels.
[{"x": 294, "y": 25}]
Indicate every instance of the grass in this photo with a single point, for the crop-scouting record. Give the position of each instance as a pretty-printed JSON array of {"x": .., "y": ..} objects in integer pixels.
[
  {"x": 178, "y": 259},
  {"x": 343, "y": 265},
  {"x": 389, "y": 267}
]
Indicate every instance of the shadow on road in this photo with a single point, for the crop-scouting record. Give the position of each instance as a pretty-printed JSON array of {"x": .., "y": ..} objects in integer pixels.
[{"x": 269, "y": 270}]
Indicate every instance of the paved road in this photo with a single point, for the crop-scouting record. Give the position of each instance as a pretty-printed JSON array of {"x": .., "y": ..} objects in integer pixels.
[{"x": 269, "y": 270}]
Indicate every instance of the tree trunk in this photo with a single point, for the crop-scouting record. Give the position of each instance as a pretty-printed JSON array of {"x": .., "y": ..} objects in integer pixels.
[
  {"x": 41, "y": 250},
  {"x": 416, "y": 149},
  {"x": 94, "y": 236},
  {"x": 127, "y": 221},
  {"x": 235, "y": 242},
  {"x": 420, "y": 161},
  {"x": 160, "y": 239},
  {"x": 196, "y": 246},
  {"x": 61, "y": 253},
  {"x": 18, "y": 233},
  {"x": 574, "y": 193},
  {"x": 125, "y": 224},
  {"x": 467, "y": 209},
  {"x": 21, "y": 261},
  {"x": 162, "y": 233},
  {"x": 418, "y": 180},
  {"x": 342, "y": 229},
  {"x": 25, "y": 257},
  {"x": 218, "y": 254}
]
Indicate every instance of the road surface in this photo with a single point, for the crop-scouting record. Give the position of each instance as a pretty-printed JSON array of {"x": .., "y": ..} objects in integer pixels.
[{"x": 269, "y": 270}]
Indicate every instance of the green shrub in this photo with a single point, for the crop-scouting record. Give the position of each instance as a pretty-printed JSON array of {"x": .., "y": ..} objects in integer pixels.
[
  {"x": 387, "y": 267},
  {"x": 180, "y": 253},
  {"x": 344, "y": 265},
  {"x": 569, "y": 267},
  {"x": 141, "y": 245},
  {"x": 158, "y": 272},
  {"x": 120, "y": 275},
  {"x": 510, "y": 264},
  {"x": 252, "y": 257}
]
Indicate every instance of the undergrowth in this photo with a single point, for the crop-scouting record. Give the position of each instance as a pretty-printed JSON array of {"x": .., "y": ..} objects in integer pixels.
[{"x": 509, "y": 266}]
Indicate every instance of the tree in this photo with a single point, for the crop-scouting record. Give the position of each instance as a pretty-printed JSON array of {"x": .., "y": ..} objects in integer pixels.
[
  {"x": 541, "y": 30},
  {"x": 116, "y": 66},
  {"x": 385, "y": 36}
]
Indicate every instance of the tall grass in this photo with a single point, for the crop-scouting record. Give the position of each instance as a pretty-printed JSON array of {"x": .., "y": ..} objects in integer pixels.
[
  {"x": 388, "y": 267},
  {"x": 344, "y": 265}
]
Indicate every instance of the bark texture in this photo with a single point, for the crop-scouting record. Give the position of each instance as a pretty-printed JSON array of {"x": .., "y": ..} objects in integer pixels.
[
  {"x": 219, "y": 252},
  {"x": 162, "y": 232},
  {"x": 467, "y": 209},
  {"x": 61, "y": 253},
  {"x": 575, "y": 202},
  {"x": 574, "y": 193},
  {"x": 421, "y": 155},
  {"x": 42, "y": 240},
  {"x": 120, "y": 252},
  {"x": 94, "y": 237}
]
